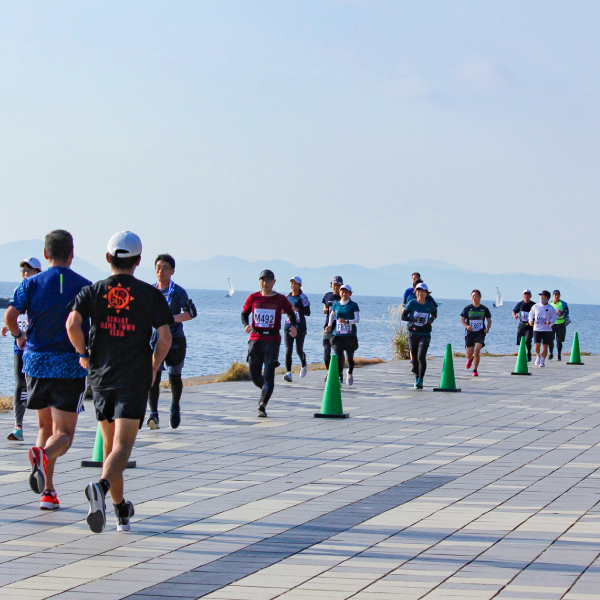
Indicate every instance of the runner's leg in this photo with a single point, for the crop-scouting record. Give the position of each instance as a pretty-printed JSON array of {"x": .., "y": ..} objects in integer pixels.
[
  {"x": 20, "y": 397},
  {"x": 528, "y": 340},
  {"x": 476, "y": 355},
  {"x": 327, "y": 352},
  {"x": 300, "y": 348},
  {"x": 124, "y": 434},
  {"x": 413, "y": 344},
  {"x": 63, "y": 431},
  {"x": 176, "y": 382},
  {"x": 544, "y": 350},
  {"x": 422, "y": 353},
  {"x": 289, "y": 349},
  {"x": 154, "y": 394}
]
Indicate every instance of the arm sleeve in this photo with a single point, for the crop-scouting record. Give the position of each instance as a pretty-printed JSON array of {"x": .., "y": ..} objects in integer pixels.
[
  {"x": 332, "y": 317},
  {"x": 405, "y": 316},
  {"x": 356, "y": 318}
]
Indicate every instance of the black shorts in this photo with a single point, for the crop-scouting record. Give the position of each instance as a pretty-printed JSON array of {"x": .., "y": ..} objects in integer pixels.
[
  {"x": 63, "y": 394},
  {"x": 339, "y": 343},
  {"x": 474, "y": 337},
  {"x": 120, "y": 404},
  {"x": 543, "y": 337},
  {"x": 525, "y": 331},
  {"x": 560, "y": 331},
  {"x": 263, "y": 352}
]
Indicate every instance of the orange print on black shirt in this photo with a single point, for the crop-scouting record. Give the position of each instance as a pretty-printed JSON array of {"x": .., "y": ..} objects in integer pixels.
[{"x": 119, "y": 298}]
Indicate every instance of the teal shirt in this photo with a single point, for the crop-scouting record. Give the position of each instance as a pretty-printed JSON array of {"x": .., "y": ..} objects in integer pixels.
[
  {"x": 347, "y": 312},
  {"x": 424, "y": 313}
]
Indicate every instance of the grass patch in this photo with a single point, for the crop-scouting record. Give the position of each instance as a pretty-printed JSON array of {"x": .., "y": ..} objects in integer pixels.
[
  {"x": 6, "y": 404},
  {"x": 399, "y": 339},
  {"x": 365, "y": 362},
  {"x": 236, "y": 372}
]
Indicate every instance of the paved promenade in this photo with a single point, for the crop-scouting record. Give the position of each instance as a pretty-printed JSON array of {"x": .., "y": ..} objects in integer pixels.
[{"x": 488, "y": 493}]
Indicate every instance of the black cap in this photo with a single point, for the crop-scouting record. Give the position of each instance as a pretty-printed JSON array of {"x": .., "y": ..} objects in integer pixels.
[
  {"x": 337, "y": 279},
  {"x": 267, "y": 274},
  {"x": 556, "y": 292},
  {"x": 544, "y": 293}
]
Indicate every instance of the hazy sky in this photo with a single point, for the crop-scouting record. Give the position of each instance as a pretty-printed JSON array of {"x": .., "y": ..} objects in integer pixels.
[{"x": 314, "y": 132}]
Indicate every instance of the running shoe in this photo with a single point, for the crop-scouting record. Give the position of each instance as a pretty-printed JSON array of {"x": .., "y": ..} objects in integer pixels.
[
  {"x": 542, "y": 362},
  {"x": 49, "y": 501},
  {"x": 123, "y": 519},
  {"x": 152, "y": 422},
  {"x": 475, "y": 374},
  {"x": 96, "y": 518},
  {"x": 529, "y": 359},
  {"x": 419, "y": 384},
  {"x": 39, "y": 463},
  {"x": 262, "y": 411},
  {"x": 538, "y": 358},
  {"x": 16, "y": 435},
  {"x": 558, "y": 358},
  {"x": 304, "y": 370},
  {"x": 288, "y": 377},
  {"x": 469, "y": 363},
  {"x": 350, "y": 379},
  {"x": 175, "y": 419},
  {"x": 416, "y": 384}
]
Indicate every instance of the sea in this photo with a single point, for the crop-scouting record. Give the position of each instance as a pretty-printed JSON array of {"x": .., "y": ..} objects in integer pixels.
[{"x": 216, "y": 337}]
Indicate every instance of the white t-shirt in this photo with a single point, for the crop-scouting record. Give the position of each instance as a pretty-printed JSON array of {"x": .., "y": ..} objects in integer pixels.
[{"x": 541, "y": 313}]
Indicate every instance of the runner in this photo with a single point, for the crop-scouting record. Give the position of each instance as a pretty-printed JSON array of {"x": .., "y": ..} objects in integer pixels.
[
  {"x": 266, "y": 308},
  {"x": 123, "y": 311},
  {"x": 346, "y": 315},
  {"x": 301, "y": 305},
  {"x": 329, "y": 299},
  {"x": 183, "y": 309},
  {"x": 521, "y": 312},
  {"x": 559, "y": 329},
  {"x": 420, "y": 314},
  {"x": 409, "y": 293},
  {"x": 29, "y": 267},
  {"x": 472, "y": 317},
  {"x": 541, "y": 317},
  {"x": 55, "y": 380}
]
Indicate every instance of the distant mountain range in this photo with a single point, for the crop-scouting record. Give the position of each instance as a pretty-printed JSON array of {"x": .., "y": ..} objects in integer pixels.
[{"x": 445, "y": 280}]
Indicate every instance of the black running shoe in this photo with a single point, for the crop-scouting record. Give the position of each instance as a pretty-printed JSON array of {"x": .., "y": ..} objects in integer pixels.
[
  {"x": 96, "y": 518},
  {"x": 550, "y": 356},
  {"x": 175, "y": 419},
  {"x": 262, "y": 411},
  {"x": 152, "y": 421},
  {"x": 123, "y": 517}
]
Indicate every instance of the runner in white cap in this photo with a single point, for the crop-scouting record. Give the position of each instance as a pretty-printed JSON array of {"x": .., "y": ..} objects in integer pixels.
[
  {"x": 301, "y": 304},
  {"x": 521, "y": 312}
]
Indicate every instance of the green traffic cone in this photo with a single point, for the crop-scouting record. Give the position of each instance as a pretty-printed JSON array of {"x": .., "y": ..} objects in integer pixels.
[
  {"x": 575, "y": 358},
  {"x": 98, "y": 453},
  {"x": 521, "y": 366},
  {"x": 447, "y": 381},
  {"x": 331, "y": 407}
]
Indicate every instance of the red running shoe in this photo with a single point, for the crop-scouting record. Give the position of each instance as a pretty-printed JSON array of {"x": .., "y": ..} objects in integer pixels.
[
  {"x": 469, "y": 363},
  {"x": 49, "y": 501},
  {"x": 475, "y": 374},
  {"x": 39, "y": 463}
]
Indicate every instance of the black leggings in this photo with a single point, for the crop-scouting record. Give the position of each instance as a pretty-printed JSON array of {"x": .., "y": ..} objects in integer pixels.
[
  {"x": 327, "y": 352},
  {"x": 559, "y": 331},
  {"x": 176, "y": 391},
  {"x": 347, "y": 345},
  {"x": 418, "y": 346},
  {"x": 527, "y": 333},
  {"x": 289, "y": 349},
  {"x": 20, "y": 398},
  {"x": 263, "y": 354}
]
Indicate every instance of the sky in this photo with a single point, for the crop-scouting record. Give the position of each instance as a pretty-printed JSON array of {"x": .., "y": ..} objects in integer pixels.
[{"x": 317, "y": 132}]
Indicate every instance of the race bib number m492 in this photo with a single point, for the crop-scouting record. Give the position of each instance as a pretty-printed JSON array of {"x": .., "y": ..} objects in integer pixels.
[{"x": 264, "y": 318}]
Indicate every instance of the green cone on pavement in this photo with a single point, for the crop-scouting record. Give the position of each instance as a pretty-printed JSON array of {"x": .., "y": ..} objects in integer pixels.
[
  {"x": 521, "y": 366},
  {"x": 447, "y": 381},
  {"x": 575, "y": 358},
  {"x": 331, "y": 407}
]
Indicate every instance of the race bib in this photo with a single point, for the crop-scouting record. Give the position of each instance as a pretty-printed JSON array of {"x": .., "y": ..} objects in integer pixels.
[
  {"x": 421, "y": 319},
  {"x": 22, "y": 322},
  {"x": 524, "y": 316},
  {"x": 476, "y": 325},
  {"x": 297, "y": 318},
  {"x": 343, "y": 328},
  {"x": 264, "y": 318}
]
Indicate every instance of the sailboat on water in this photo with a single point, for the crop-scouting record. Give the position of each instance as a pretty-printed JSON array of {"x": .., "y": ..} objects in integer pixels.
[
  {"x": 498, "y": 299},
  {"x": 231, "y": 290}
]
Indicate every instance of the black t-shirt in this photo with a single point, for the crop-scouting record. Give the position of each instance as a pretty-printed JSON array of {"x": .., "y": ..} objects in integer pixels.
[
  {"x": 329, "y": 299},
  {"x": 522, "y": 309},
  {"x": 122, "y": 310},
  {"x": 474, "y": 316}
]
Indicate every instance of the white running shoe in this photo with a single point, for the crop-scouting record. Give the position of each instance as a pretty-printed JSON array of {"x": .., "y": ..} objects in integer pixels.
[
  {"x": 542, "y": 362},
  {"x": 538, "y": 358},
  {"x": 288, "y": 377},
  {"x": 303, "y": 372},
  {"x": 350, "y": 379}
]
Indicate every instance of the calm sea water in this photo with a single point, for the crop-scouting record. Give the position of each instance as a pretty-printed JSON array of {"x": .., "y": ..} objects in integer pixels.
[{"x": 216, "y": 338}]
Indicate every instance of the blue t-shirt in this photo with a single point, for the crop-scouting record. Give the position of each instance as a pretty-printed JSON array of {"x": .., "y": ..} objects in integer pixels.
[
  {"x": 45, "y": 297},
  {"x": 347, "y": 312}
]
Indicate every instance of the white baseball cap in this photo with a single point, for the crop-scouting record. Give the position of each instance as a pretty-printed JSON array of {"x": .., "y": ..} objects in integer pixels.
[
  {"x": 33, "y": 262},
  {"x": 346, "y": 287},
  {"x": 124, "y": 244},
  {"x": 422, "y": 286},
  {"x": 296, "y": 279},
  {"x": 527, "y": 291}
]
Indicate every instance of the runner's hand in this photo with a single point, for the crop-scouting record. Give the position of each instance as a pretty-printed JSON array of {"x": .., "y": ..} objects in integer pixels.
[
  {"x": 293, "y": 332},
  {"x": 487, "y": 330},
  {"x": 248, "y": 329},
  {"x": 84, "y": 361},
  {"x": 341, "y": 320},
  {"x": 329, "y": 328},
  {"x": 4, "y": 331},
  {"x": 469, "y": 328}
]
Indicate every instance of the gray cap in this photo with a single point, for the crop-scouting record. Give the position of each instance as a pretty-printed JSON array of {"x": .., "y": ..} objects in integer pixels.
[
  {"x": 337, "y": 279},
  {"x": 267, "y": 274}
]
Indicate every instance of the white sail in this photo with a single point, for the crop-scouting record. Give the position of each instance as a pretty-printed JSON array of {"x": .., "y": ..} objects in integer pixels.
[
  {"x": 498, "y": 297},
  {"x": 231, "y": 290}
]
